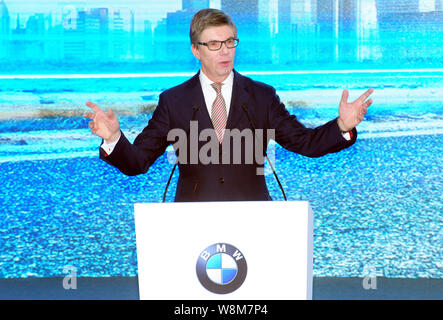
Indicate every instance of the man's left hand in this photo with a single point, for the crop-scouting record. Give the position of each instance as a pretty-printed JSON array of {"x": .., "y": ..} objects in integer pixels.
[{"x": 352, "y": 113}]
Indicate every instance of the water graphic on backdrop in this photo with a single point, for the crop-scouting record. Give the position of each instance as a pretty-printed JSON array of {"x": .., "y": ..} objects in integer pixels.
[{"x": 376, "y": 204}]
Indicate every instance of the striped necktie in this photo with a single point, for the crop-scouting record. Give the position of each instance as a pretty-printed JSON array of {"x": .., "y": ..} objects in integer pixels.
[{"x": 218, "y": 113}]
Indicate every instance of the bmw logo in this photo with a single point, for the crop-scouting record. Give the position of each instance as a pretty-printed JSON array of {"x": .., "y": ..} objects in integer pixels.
[{"x": 221, "y": 268}]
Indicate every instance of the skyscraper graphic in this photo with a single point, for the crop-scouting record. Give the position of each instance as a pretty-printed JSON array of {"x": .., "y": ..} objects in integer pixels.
[
  {"x": 347, "y": 15},
  {"x": 17, "y": 45},
  {"x": 85, "y": 33},
  {"x": 98, "y": 21},
  {"x": 122, "y": 33},
  {"x": 297, "y": 31},
  {"x": 4, "y": 29},
  {"x": 327, "y": 31},
  {"x": 388, "y": 7},
  {"x": 317, "y": 31},
  {"x": 252, "y": 18},
  {"x": 73, "y": 32},
  {"x": 148, "y": 43},
  {"x": 172, "y": 34},
  {"x": 35, "y": 36},
  {"x": 346, "y": 30},
  {"x": 4, "y": 18},
  {"x": 368, "y": 46},
  {"x": 282, "y": 33},
  {"x": 407, "y": 28}
]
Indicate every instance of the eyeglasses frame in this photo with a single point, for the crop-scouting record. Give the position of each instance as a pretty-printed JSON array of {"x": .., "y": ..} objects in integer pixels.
[{"x": 221, "y": 43}]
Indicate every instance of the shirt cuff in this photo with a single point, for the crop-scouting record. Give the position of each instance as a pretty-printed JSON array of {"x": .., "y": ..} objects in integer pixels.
[
  {"x": 109, "y": 147},
  {"x": 347, "y": 135}
]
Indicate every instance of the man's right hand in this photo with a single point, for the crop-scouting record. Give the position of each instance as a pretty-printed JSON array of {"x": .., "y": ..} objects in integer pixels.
[{"x": 103, "y": 124}]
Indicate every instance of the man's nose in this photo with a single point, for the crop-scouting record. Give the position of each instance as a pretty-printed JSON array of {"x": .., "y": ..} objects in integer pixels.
[{"x": 224, "y": 48}]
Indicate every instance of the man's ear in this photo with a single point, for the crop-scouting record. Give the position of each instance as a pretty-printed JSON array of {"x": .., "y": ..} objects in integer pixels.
[{"x": 195, "y": 51}]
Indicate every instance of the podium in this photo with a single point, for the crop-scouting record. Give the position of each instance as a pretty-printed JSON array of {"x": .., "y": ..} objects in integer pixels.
[{"x": 248, "y": 250}]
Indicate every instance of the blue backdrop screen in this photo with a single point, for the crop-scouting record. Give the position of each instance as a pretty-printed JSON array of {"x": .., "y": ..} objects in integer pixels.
[{"x": 377, "y": 204}]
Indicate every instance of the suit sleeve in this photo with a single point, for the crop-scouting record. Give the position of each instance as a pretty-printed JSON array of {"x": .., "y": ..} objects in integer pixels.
[
  {"x": 151, "y": 143},
  {"x": 310, "y": 142}
]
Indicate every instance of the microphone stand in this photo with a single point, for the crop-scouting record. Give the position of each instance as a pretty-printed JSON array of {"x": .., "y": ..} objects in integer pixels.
[
  {"x": 176, "y": 162},
  {"x": 245, "y": 109}
]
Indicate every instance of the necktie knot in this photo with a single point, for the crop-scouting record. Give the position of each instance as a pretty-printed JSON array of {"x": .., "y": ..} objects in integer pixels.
[{"x": 217, "y": 87}]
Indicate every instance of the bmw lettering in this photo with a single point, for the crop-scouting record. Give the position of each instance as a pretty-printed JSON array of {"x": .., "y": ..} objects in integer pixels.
[{"x": 221, "y": 268}]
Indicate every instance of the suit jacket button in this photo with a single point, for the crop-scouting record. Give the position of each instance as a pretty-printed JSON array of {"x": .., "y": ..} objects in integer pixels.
[{"x": 221, "y": 180}]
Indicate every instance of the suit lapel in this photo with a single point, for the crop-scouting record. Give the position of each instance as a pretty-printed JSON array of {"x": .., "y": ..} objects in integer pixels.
[
  {"x": 196, "y": 96},
  {"x": 239, "y": 97}
]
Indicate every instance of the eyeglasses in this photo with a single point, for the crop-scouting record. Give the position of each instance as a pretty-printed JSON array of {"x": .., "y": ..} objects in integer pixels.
[{"x": 215, "y": 45}]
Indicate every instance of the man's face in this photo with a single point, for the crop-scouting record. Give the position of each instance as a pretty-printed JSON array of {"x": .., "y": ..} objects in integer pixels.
[{"x": 216, "y": 65}]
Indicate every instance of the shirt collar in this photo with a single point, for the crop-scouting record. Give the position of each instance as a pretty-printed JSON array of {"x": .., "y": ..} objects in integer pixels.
[{"x": 205, "y": 81}]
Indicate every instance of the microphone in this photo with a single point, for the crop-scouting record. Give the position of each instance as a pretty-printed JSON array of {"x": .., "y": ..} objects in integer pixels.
[
  {"x": 195, "y": 108},
  {"x": 245, "y": 109}
]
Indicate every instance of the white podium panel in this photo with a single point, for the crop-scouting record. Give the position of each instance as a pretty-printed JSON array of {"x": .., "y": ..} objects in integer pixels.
[{"x": 273, "y": 240}]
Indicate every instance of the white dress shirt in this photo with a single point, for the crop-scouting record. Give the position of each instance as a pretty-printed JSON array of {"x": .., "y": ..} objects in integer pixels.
[
  {"x": 210, "y": 94},
  {"x": 109, "y": 147}
]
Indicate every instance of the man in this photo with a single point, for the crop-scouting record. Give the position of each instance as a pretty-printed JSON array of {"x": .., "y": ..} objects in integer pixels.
[{"x": 220, "y": 99}]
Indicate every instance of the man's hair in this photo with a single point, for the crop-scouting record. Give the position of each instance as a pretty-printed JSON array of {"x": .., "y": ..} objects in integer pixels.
[{"x": 207, "y": 18}]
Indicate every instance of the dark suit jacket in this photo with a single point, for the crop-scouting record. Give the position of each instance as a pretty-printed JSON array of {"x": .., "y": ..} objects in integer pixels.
[{"x": 217, "y": 182}]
